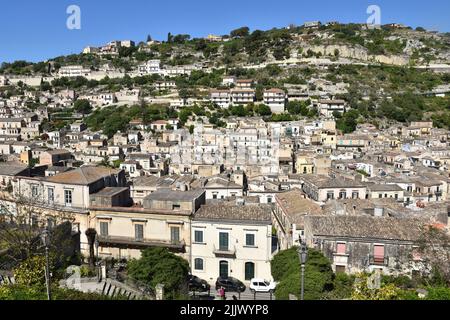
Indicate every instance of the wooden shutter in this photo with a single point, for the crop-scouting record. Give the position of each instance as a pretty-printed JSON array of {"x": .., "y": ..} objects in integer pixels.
[
  {"x": 341, "y": 248},
  {"x": 378, "y": 251}
]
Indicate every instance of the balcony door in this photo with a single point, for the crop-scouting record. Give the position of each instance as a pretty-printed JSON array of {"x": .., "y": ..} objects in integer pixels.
[
  {"x": 378, "y": 254},
  {"x": 223, "y": 241},
  {"x": 175, "y": 235}
]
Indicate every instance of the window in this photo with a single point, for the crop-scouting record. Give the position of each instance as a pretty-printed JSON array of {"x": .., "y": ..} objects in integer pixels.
[
  {"x": 68, "y": 197},
  {"x": 355, "y": 195},
  {"x": 34, "y": 191},
  {"x": 175, "y": 234},
  {"x": 139, "y": 232},
  {"x": 250, "y": 240},
  {"x": 51, "y": 195},
  {"x": 104, "y": 229},
  {"x": 341, "y": 248},
  {"x": 330, "y": 195},
  {"x": 198, "y": 264},
  {"x": 416, "y": 254},
  {"x": 342, "y": 195},
  {"x": 176, "y": 207},
  {"x": 249, "y": 271},
  {"x": 378, "y": 254},
  {"x": 198, "y": 236},
  {"x": 223, "y": 241}
]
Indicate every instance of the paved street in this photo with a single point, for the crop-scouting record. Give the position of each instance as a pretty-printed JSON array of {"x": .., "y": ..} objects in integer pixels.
[{"x": 245, "y": 296}]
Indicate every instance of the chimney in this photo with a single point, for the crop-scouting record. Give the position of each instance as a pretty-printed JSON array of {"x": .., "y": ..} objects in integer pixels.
[{"x": 378, "y": 212}]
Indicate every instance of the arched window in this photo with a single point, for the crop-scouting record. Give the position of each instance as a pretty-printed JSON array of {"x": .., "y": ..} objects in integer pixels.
[
  {"x": 198, "y": 264},
  {"x": 249, "y": 271}
]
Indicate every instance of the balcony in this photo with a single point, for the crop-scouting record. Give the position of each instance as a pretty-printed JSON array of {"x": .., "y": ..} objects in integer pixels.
[
  {"x": 340, "y": 259},
  {"x": 378, "y": 261},
  {"x": 221, "y": 252},
  {"x": 134, "y": 243}
]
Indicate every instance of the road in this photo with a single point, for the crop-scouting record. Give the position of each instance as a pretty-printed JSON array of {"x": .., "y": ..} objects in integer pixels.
[{"x": 245, "y": 296}]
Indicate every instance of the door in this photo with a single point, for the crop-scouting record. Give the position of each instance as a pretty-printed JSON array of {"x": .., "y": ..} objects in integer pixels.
[
  {"x": 249, "y": 271},
  {"x": 340, "y": 269},
  {"x": 223, "y": 269}
]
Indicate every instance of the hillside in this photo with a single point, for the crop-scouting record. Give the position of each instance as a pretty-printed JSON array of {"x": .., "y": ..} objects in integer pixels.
[{"x": 384, "y": 74}]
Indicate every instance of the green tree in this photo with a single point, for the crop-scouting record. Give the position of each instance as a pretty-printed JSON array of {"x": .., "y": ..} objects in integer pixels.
[
  {"x": 240, "y": 32},
  {"x": 83, "y": 106},
  {"x": 31, "y": 272},
  {"x": 238, "y": 111},
  {"x": 286, "y": 271},
  {"x": 263, "y": 110},
  {"x": 348, "y": 122},
  {"x": 159, "y": 266},
  {"x": 362, "y": 291}
]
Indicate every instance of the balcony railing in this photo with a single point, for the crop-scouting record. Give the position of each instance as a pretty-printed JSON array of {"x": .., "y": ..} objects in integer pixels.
[
  {"x": 378, "y": 261},
  {"x": 140, "y": 243},
  {"x": 225, "y": 252}
]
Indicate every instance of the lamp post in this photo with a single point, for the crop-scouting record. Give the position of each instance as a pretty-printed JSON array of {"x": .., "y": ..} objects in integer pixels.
[
  {"x": 45, "y": 237},
  {"x": 97, "y": 244},
  {"x": 303, "y": 257}
]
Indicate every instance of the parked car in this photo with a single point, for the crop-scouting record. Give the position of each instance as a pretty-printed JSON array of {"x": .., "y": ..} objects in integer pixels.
[
  {"x": 261, "y": 285},
  {"x": 230, "y": 284},
  {"x": 197, "y": 284}
]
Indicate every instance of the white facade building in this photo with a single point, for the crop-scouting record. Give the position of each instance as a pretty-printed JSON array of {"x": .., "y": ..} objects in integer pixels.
[
  {"x": 242, "y": 96},
  {"x": 275, "y": 99},
  {"x": 151, "y": 67},
  {"x": 74, "y": 71},
  {"x": 328, "y": 107},
  {"x": 232, "y": 240},
  {"x": 221, "y": 97}
]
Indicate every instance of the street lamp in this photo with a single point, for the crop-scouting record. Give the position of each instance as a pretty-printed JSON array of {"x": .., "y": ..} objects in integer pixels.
[
  {"x": 45, "y": 237},
  {"x": 97, "y": 263},
  {"x": 303, "y": 257}
]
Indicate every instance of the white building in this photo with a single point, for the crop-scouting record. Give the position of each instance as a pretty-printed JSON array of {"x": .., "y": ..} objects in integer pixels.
[
  {"x": 328, "y": 107},
  {"x": 90, "y": 50},
  {"x": 275, "y": 99},
  {"x": 3, "y": 81},
  {"x": 229, "y": 80},
  {"x": 178, "y": 71},
  {"x": 222, "y": 98},
  {"x": 232, "y": 240},
  {"x": 74, "y": 71},
  {"x": 151, "y": 67},
  {"x": 219, "y": 188},
  {"x": 242, "y": 96}
]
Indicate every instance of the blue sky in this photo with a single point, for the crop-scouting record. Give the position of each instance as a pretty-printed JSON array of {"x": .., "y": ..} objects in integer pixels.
[{"x": 36, "y": 30}]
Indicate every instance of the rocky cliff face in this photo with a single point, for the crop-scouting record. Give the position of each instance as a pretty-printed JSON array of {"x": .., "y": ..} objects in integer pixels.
[{"x": 356, "y": 53}]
